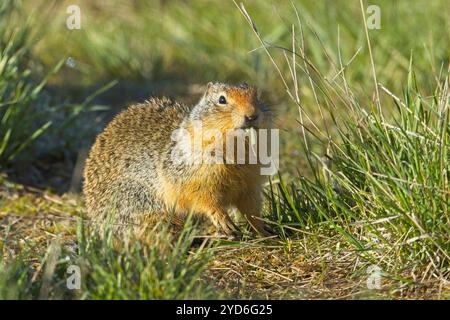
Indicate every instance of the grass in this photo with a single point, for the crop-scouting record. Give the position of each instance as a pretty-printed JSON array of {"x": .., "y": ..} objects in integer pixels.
[
  {"x": 19, "y": 127},
  {"x": 388, "y": 179},
  {"x": 219, "y": 46},
  {"x": 34, "y": 122},
  {"x": 364, "y": 161},
  {"x": 314, "y": 262},
  {"x": 165, "y": 270}
]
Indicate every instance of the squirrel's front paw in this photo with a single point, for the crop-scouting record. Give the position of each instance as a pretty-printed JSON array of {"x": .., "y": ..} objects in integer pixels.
[
  {"x": 232, "y": 236},
  {"x": 268, "y": 231},
  {"x": 265, "y": 231},
  {"x": 227, "y": 227}
]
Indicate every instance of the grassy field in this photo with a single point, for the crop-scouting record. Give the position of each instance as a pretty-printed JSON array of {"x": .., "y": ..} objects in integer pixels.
[{"x": 360, "y": 205}]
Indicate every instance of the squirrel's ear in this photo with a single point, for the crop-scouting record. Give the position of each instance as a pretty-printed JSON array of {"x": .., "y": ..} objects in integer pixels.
[{"x": 208, "y": 88}]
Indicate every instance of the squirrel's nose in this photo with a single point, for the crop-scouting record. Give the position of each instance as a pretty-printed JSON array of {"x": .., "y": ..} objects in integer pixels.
[{"x": 250, "y": 119}]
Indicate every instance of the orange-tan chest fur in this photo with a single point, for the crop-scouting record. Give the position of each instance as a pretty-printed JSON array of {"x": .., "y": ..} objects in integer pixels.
[{"x": 212, "y": 186}]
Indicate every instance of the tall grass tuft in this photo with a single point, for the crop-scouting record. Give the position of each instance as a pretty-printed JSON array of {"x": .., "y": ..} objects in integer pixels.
[
  {"x": 168, "y": 268},
  {"x": 382, "y": 178},
  {"x": 20, "y": 120},
  {"x": 165, "y": 268},
  {"x": 32, "y": 122}
]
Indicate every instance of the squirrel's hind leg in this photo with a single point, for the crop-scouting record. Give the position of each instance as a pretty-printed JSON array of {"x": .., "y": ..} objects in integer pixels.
[{"x": 250, "y": 206}]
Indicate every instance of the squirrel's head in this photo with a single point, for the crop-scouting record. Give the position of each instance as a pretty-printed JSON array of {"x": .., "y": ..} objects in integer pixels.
[{"x": 228, "y": 107}]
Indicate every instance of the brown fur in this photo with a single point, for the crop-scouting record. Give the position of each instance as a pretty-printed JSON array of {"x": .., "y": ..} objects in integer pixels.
[{"x": 126, "y": 174}]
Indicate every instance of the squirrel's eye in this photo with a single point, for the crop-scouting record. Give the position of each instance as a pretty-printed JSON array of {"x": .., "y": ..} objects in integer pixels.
[{"x": 222, "y": 100}]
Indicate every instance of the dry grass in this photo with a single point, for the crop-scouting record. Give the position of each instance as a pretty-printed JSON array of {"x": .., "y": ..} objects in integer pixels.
[
  {"x": 31, "y": 219},
  {"x": 270, "y": 271},
  {"x": 319, "y": 265}
]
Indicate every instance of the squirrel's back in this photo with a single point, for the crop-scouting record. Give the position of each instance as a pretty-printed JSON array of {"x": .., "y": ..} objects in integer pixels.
[
  {"x": 142, "y": 125},
  {"x": 126, "y": 154}
]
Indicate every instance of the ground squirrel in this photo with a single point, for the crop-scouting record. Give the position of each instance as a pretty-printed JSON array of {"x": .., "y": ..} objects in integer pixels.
[{"x": 132, "y": 174}]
